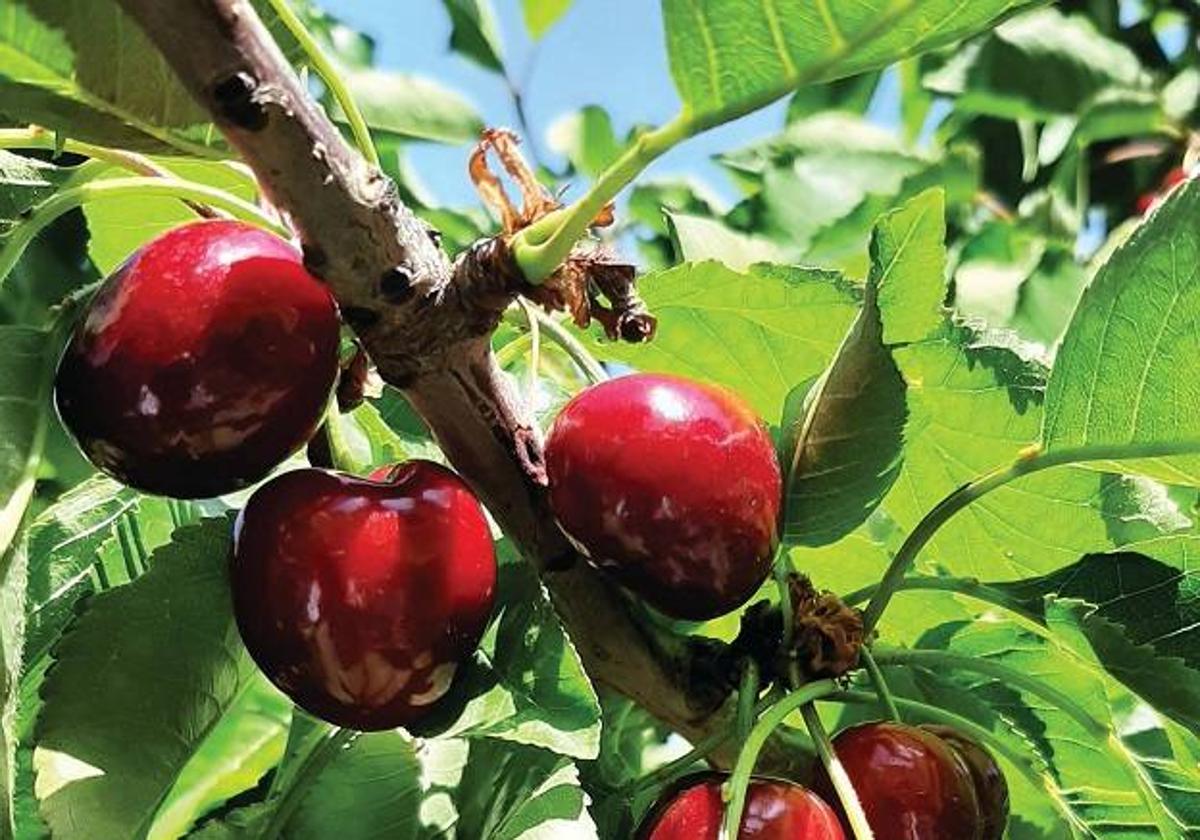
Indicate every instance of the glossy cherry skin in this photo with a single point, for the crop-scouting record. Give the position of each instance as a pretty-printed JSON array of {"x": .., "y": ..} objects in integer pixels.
[
  {"x": 991, "y": 788},
  {"x": 693, "y": 810},
  {"x": 358, "y": 598},
  {"x": 203, "y": 362},
  {"x": 911, "y": 784},
  {"x": 670, "y": 485}
]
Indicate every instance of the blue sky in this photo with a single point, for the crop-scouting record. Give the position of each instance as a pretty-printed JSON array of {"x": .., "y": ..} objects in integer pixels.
[{"x": 604, "y": 52}]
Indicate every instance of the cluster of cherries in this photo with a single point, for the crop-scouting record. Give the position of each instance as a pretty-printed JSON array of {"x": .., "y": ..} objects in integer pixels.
[{"x": 209, "y": 358}]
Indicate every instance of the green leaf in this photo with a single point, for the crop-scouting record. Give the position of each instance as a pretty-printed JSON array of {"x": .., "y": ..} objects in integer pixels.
[
  {"x": 1118, "y": 778},
  {"x": 974, "y": 405},
  {"x": 63, "y": 544},
  {"x": 504, "y": 791},
  {"x": 729, "y": 57},
  {"x": 474, "y": 32},
  {"x": 121, "y": 225},
  {"x": 85, "y": 69},
  {"x": 852, "y": 94},
  {"x": 1006, "y": 73},
  {"x": 697, "y": 239},
  {"x": 908, "y": 264},
  {"x": 849, "y": 437},
  {"x": 30, "y": 356},
  {"x": 759, "y": 333},
  {"x": 93, "y": 778},
  {"x": 1128, "y": 372},
  {"x": 25, "y": 182},
  {"x": 586, "y": 138},
  {"x": 372, "y": 789},
  {"x": 404, "y": 105},
  {"x": 527, "y": 684},
  {"x": 245, "y": 744},
  {"x": 1145, "y": 622},
  {"x": 540, "y": 15}
]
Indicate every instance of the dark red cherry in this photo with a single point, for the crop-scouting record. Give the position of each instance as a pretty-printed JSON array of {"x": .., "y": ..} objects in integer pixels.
[
  {"x": 360, "y": 598},
  {"x": 201, "y": 363},
  {"x": 991, "y": 788},
  {"x": 911, "y": 784},
  {"x": 670, "y": 485},
  {"x": 693, "y": 810}
]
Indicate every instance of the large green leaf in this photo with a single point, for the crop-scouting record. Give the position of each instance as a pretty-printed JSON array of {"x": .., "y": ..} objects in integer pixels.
[
  {"x": 974, "y": 406},
  {"x": 759, "y": 333},
  {"x": 120, "y": 225},
  {"x": 696, "y": 239},
  {"x": 848, "y": 439},
  {"x": 83, "y": 68},
  {"x": 25, "y": 377},
  {"x": 729, "y": 57},
  {"x": 93, "y": 778},
  {"x": 1128, "y": 372}
]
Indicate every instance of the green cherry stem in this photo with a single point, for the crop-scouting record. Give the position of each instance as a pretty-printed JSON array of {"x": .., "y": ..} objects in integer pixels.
[
  {"x": 329, "y": 74},
  {"x": 783, "y": 568},
  {"x": 41, "y": 215},
  {"x": 747, "y": 699},
  {"x": 666, "y": 773},
  {"x": 535, "y": 348},
  {"x": 36, "y": 137},
  {"x": 941, "y": 661},
  {"x": 770, "y": 720},
  {"x": 881, "y": 687},
  {"x": 934, "y": 714},
  {"x": 837, "y": 774},
  {"x": 1034, "y": 461},
  {"x": 573, "y": 347}
]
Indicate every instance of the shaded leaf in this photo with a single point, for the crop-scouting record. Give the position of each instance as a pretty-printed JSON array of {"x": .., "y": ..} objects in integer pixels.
[
  {"x": 57, "y": 70},
  {"x": 93, "y": 779}
]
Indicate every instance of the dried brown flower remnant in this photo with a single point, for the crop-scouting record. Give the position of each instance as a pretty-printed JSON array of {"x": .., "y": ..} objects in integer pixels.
[
  {"x": 593, "y": 282},
  {"x": 828, "y": 634}
]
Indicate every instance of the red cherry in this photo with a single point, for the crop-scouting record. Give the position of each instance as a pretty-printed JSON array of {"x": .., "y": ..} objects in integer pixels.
[
  {"x": 693, "y": 810},
  {"x": 201, "y": 363},
  {"x": 991, "y": 788},
  {"x": 911, "y": 784},
  {"x": 1174, "y": 177},
  {"x": 360, "y": 598},
  {"x": 672, "y": 486}
]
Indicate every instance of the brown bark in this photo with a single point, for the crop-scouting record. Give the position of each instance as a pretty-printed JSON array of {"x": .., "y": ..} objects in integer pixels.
[{"x": 426, "y": 324}]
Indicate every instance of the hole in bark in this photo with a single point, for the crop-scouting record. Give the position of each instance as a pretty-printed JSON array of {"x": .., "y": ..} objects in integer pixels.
[
  {"x": 234, "y": 98},
  {"x": 315, "y": 260},
  {"x": 360, "y": 318},
  {"x": 396, "y": 284}
]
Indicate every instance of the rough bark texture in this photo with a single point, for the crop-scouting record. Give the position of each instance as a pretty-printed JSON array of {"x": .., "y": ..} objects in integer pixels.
[{"x": 426, "y": 324}]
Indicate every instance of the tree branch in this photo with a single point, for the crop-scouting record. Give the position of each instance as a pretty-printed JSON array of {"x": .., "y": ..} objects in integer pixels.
[{"x": 426, "y": 324}]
